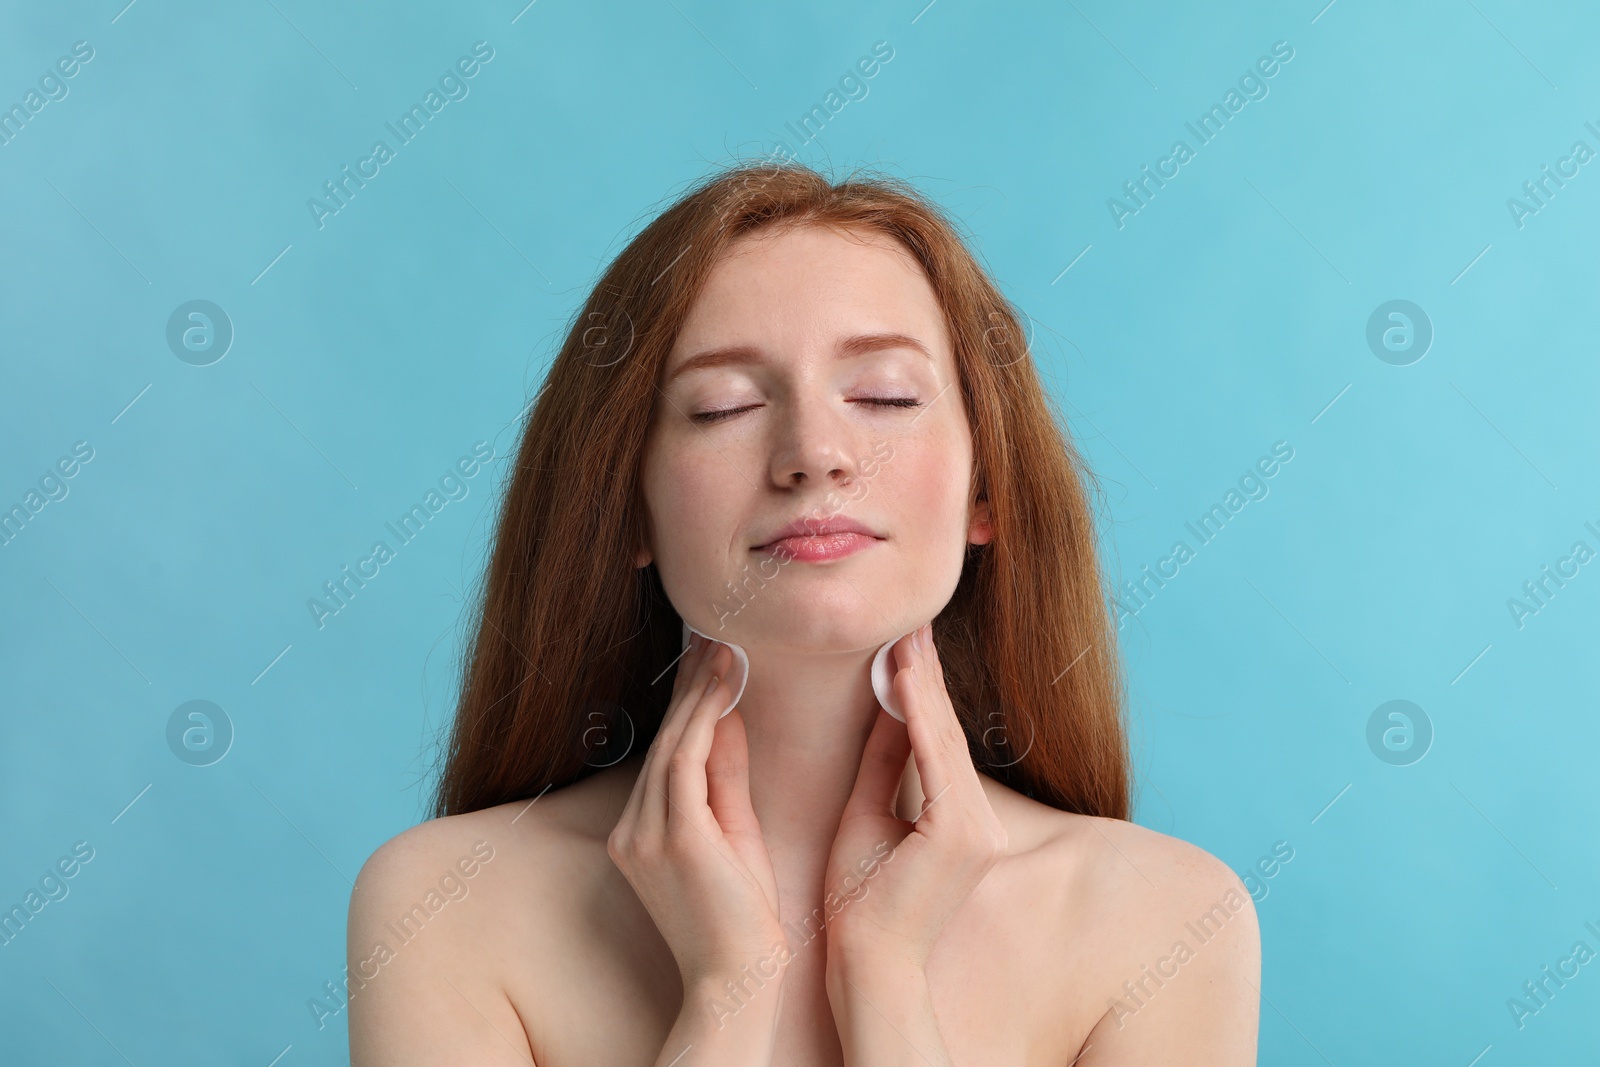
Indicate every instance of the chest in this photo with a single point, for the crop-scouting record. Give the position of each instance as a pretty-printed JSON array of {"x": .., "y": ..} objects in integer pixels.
[{"x": 998, "y": 981}]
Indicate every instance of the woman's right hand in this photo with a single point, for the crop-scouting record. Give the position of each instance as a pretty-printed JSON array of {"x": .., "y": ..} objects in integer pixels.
[{"x": 689, "y": 842}]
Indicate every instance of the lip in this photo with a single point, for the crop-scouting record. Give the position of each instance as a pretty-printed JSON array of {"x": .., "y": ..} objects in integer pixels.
[
  {"x": 819, "y": 548},
  {"x": 807, "y": 526},
  {"x": 813, "y": 540}
]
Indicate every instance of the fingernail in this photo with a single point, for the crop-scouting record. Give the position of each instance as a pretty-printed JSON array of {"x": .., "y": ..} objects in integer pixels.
[{"x": 712, "y": 684}]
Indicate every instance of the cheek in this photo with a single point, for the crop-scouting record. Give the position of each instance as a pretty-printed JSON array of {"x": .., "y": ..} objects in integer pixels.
[
  {"x": 931, "y": 499},
  {"x": 692, "y": 500}
]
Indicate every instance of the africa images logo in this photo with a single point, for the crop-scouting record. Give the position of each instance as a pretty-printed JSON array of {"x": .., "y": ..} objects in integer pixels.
[
  {"x": 453, "y": 86},
  {"x": 1205, "y": 129}
]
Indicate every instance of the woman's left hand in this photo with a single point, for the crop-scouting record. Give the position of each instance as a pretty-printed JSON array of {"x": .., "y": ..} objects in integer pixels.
[{"x": 898, "y": 881}]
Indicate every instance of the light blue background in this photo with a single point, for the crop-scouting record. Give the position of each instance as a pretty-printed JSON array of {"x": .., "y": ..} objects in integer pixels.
[{"x": 1228, "y": 314}]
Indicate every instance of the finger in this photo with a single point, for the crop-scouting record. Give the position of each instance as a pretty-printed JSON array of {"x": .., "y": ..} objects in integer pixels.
[
  {"x": 687, "y": 768},
  {"x": 728, "y": 776},
  {"x": 714, "y": 658},
  {"x": 728, "y": 794},
  {"x": 926, "y": 748},
  {"x": 920, "y": 738},
  {"x": 687, "y": 663},
  {"x": 936, "y": 698},
  {"x": 883, "y": 765},
  {"x": 938, "y": 743},
  {"x": 688, "y": 787},
  {"x": 955, "y": 805},
  {"x": 708, "y": 658}
]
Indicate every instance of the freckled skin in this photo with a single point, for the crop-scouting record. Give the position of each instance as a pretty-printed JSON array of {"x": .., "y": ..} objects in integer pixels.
[{"x": 553, "y": 956}]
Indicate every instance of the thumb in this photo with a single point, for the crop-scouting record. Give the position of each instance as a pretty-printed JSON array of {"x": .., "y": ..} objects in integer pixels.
[
  {"x": 883, "y": 764},
  {"x": 728, "y": 796},
  {"x": 728, "y": 777}
]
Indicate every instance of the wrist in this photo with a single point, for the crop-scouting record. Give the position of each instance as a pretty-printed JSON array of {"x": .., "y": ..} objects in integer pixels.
[
  {"x": 725, "y": 1027},
  {"x": 876, "y": 1004},
  {"x": 870, "y": 956},
  {"x": 873, "y": 971},
  {"x": 751, "y": 994}
]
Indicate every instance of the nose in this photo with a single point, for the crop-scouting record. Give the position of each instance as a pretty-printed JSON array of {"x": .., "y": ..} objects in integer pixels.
[{"x": 815, "y": 445}]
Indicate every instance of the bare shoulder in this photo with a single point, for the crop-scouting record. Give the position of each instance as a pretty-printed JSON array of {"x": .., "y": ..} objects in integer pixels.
[
  {"x": 1155, "y": 868},
  {"x": 1165, "y": 936},
  {"x": 1111, "y": 859},
  {"x": 438, "y": 917},
  {"x": 421, "y": 912}
]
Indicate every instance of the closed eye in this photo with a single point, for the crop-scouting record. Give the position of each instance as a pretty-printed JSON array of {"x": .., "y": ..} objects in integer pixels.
[{"x": 893, "y": 402}]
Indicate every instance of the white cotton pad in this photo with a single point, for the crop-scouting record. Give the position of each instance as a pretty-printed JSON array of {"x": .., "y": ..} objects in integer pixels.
[
  {"x": 882, "y": 673},
  {"x": 741, "y": 666},
  {"x": 883, "y": 680}
]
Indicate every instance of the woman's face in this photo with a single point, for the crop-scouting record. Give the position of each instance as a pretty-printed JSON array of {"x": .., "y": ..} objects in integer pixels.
[{"x": 809, "y": 332}]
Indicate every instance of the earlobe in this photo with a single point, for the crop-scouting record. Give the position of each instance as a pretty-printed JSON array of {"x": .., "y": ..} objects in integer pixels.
[
  {"x": 643, "y": 534},
  {"x": 982, "y": 527}
]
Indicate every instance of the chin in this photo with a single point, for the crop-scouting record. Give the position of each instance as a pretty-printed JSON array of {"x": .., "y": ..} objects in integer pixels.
[{"x": 817, "y": 628}]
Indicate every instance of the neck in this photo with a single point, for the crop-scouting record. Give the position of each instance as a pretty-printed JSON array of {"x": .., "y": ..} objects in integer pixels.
[{"x": 807, "y": 718}]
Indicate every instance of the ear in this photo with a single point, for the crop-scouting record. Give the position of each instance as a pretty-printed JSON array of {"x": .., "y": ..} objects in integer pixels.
[
  {"x": 981, "y": 531},
  {"x": 642, "y": 556}
]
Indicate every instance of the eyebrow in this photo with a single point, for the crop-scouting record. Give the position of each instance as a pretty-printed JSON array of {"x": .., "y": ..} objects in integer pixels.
[{"x": 858, "y": 345}]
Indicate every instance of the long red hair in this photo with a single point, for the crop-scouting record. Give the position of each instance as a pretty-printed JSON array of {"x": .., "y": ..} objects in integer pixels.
[{"x": 567, "y": 668}]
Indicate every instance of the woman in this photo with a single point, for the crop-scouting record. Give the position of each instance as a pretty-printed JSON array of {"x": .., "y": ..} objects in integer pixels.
[{"x": 798, "y": 418}]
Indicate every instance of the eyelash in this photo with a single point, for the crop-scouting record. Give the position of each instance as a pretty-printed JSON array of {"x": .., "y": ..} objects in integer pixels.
[{"x": 717, "y": 416}]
